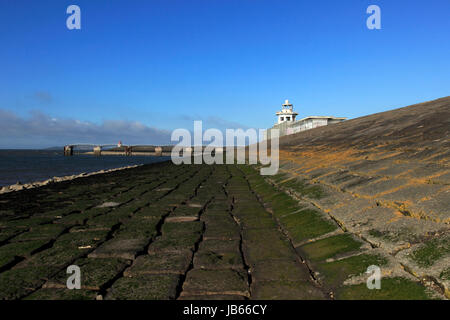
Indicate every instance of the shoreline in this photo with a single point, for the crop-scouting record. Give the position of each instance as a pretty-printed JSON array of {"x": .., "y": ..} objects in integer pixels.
[{"x": 37, "y": 184}]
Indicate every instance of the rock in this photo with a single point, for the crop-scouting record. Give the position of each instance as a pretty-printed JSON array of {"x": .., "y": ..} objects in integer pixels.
[
  {"x": 108, "y": 205},
  {"x": 16, "y": 187},
  {"x": 20, "y": 186},
  {"x": 4, "y": 190}
]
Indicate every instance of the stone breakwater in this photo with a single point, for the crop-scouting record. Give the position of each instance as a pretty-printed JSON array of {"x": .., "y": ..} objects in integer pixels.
[
  {"x": 19, "y": 186},
  {"x": 188, "y": 232}
]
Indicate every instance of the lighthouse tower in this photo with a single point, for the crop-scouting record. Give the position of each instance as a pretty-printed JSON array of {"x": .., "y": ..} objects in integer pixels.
[{"x": 287, "y": 113}]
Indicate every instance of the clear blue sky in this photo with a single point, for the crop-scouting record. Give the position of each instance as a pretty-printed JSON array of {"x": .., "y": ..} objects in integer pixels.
[{"x": 155, "y": 65}]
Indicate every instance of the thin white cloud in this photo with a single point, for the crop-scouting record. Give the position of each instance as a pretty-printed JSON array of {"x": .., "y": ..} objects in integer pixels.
[{"x": 41, "y": 130}]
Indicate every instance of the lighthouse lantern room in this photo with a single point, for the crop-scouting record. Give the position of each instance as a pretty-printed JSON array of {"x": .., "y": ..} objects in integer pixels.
[{"x": 287, "y": 113}]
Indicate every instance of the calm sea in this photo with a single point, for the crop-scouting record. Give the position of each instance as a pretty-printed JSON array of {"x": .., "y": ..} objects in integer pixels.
[{"x": 37, "y": 165}]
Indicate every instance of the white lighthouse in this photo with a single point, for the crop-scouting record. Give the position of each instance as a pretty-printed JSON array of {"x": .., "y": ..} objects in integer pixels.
[{"x": 287, "y": 113}]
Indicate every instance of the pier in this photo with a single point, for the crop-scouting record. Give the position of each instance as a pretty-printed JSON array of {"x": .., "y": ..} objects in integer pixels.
[
  {"x": 137, "y": 150},
  {"x": 116, "y": 149}
]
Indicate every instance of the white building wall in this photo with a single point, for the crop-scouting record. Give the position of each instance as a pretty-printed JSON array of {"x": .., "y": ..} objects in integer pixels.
[
  {"x": 307, "y": 124},
  {"x": 287, "y": 128}
]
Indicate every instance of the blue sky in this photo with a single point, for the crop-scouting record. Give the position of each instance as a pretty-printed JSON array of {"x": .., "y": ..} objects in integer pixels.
[{"x": 138, "y": 69}]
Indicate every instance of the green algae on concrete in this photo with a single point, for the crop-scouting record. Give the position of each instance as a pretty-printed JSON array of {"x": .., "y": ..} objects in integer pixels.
[
  {"x": 176, "y": 228},
  {"x": 262, "y": 221},
  {"x": 21, "y": 249},
  {"x": 171, "y": 243},
  {"x": 431, "y": 251},
  {"x": 391, "y": 289},
  {"x": 161, "y": 263},
  {"x": 9, "y": 233},
  {"x": 81, "y": 205},
  {"x": 303, "y": 188},
  {"x": 445, "y": 274},
  {"x": 25, "y": 223},
  {"x": 279, "y": 270},
  {"x": 145, "y": 287},
  {"x": 120, "y": 248},
  {"x": 220, "y": 245},
  {"x": 270, "y": 244},
  {"x": 208, "y": 282},
  {"x": 56, "y": 256},
  {"x": 107, "y": 220},
  {"x": 186, "y": 211},
  {"x": 280, "y": 202},
  {"x": 330, "y": 247},
  {"x": 279, "y": 177},
  {"x": 62, "y": 294},
  {"x": 221, "y": 227},
  {"x": 81, "y": 239},
  {"x": 402, "y": 234},
  {"x": 18, "y": 282},
  {"x": 333, "y": 274},
  {"x": 138, "y": 228},
  {"x": 95, "y": 273},
  {"x": 225, "y": 254},
  {"x": 153, "y": 212},
  {"x": 219, "y": 206},
  {"x": 10, "y": 252},
  {"x": 306, "y": 224},
  {"x": 73, "y": 219},
  {"x": 285, "y": 290},
  {"x": 41, "y": 232}
]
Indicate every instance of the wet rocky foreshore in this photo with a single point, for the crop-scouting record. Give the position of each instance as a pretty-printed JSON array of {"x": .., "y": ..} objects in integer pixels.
[{"x": 21, "y": 186}]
